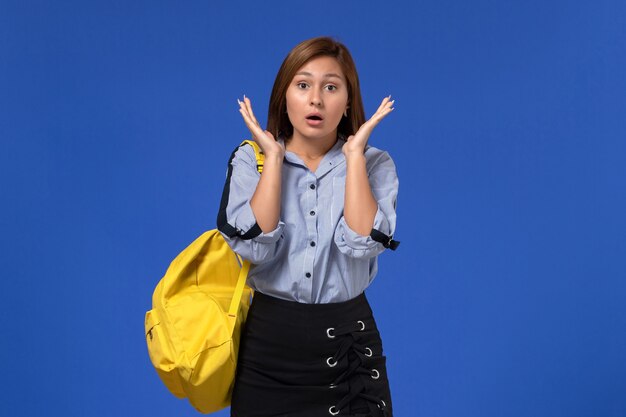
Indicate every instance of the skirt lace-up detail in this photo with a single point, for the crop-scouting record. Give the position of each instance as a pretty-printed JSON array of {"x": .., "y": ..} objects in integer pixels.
[
  {"x": 358, "y": 374},
  {"x": 311, "y": 360}
]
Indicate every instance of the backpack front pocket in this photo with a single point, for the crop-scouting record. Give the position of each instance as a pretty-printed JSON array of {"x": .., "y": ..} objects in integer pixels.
[{"x": 161, "y": 354}]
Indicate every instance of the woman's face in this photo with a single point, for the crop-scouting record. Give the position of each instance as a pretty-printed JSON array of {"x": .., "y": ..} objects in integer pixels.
[{"x": 317, "y": 98}]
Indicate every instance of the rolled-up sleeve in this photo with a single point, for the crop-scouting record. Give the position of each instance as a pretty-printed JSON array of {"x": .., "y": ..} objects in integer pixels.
[
  {"x": 236, "y": 220},
  {"x": 384, "y": 183}
]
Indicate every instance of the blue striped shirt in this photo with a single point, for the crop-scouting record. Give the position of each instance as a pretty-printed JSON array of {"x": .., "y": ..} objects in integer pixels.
[{"x": 312, "y": 256}]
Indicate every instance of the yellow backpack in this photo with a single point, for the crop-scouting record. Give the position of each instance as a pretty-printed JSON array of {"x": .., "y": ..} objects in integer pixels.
[{"x": 194, "y": 327}]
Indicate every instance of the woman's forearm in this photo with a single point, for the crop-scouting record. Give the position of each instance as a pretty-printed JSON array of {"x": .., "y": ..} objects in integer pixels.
[
  {"x": 265, "y": 202},
  {"x": 359, "y": 206}
]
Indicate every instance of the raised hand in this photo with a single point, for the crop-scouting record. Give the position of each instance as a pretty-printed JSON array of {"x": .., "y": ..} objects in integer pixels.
[
  {"x": 356, "y": 143},
  {"x": 263, "y": 138}
]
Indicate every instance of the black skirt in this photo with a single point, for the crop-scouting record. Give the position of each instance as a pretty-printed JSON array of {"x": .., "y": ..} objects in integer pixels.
[{"x": 310, "y": 360}]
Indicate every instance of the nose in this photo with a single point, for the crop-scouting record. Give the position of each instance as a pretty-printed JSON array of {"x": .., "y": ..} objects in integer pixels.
[{"x": 315, "y": 97}]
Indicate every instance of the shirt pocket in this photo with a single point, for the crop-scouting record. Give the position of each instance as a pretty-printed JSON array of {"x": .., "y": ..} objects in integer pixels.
[{"x": 337, "y": 202}]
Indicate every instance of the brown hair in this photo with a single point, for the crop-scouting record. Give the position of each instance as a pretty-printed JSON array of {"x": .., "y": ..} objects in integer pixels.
[{"x": 278, "y": 121}]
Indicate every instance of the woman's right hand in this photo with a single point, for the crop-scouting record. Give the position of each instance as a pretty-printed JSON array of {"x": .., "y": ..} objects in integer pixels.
[{"x": 263, "y": 138}]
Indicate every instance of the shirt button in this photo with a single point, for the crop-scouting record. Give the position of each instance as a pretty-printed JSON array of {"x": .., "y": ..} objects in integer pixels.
[
  {"x": 312, "y": 212},
  {"x": 312, "y": 186},
  {"x": 312, "y": 243},
  {"x": 308, "y": 275}
]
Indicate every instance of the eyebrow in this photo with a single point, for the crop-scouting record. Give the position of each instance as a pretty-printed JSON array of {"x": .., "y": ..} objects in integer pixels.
[{"x": 329, "y": 75}]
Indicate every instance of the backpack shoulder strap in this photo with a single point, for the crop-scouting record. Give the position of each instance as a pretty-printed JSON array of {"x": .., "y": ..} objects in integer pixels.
[
  {"x": 233, "y": 309},
  {"x": 222, "y": 225},
  {"x": 257, "y": 152}
]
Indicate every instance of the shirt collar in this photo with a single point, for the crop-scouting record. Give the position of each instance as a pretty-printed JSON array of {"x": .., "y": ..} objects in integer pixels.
[{"x": 333, "y": 158}]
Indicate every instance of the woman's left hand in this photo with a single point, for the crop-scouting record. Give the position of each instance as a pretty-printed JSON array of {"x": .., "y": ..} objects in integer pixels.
[{"x": 356, "y": 143}]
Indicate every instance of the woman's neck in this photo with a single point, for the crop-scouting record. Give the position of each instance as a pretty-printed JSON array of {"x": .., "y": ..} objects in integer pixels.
[{"x": 308, "y": 148}]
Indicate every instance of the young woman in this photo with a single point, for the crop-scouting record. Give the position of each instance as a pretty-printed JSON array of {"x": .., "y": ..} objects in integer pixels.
[{"x": 312, "y": 224}]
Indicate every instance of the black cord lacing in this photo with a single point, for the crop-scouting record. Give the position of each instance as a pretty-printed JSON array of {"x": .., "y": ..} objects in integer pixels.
[{"x": 356, "y": 365}]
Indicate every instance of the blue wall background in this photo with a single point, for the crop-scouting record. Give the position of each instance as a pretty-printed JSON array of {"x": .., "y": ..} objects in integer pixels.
[{"x": 507, "y": 296}]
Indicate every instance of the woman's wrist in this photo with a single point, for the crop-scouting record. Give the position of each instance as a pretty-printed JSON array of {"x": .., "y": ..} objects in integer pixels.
[
  {"x": 274, "y": 157},
  {"x": 354, "y": 156}
]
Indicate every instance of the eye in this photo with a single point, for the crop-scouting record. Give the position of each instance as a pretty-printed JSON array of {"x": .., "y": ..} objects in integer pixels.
[
  {"x": 301, "y": 85},
  {"x": 331, "y": 87}
]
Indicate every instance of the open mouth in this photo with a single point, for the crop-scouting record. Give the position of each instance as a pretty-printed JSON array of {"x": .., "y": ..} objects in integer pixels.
[{"x": 314, "y": 117}]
